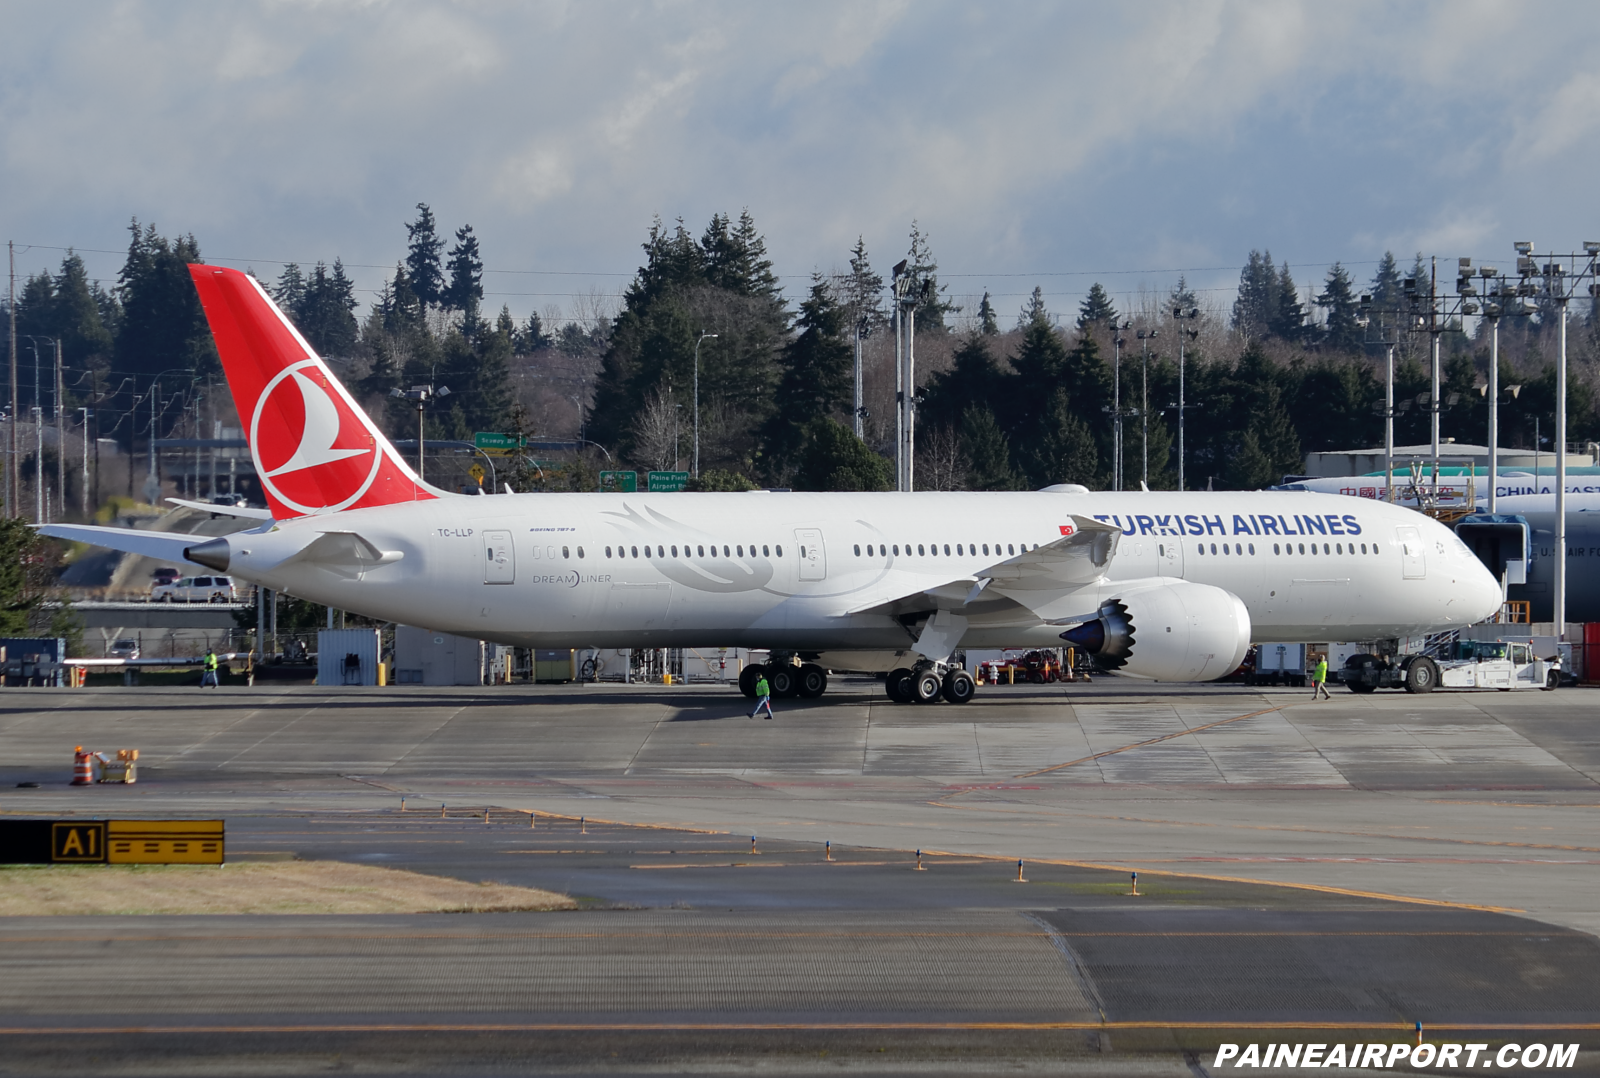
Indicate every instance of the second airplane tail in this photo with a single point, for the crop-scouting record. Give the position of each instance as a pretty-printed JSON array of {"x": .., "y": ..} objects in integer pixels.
[{"x": 315, "y": 450}]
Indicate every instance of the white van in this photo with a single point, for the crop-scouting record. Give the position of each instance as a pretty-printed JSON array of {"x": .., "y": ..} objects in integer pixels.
[{"x": 195, "y": 589}]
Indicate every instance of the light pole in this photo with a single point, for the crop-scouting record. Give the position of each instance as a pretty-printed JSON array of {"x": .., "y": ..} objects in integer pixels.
[
  {"x": 1145, "y": 337},
  {"x": 863, "y": 328},
  {"x": 1186, "y": 333},
  {"x": 1116, "y": 403},
  {"x": 83, "y": 494},
  {"x": 421, "y": 395},
  {"x": 703, "y": 336}
]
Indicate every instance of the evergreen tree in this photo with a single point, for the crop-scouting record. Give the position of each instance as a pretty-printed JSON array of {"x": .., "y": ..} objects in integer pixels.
[
  {"x": 324, "y": 314},
  {"x": 1042, "y": 356},
  {"x": 163, "y": 326},
  {"x": 1340, "y": 332},
  {"x": 1061, "y": 449},
  {"x": 404, "y": 312},
  {"x": 75, "y": 316},
  {"x": 835, "y": 459},
  {"x": 972, "y": 380},
  {"x": 1259, "y": 305},
  {"x": 423, "y": 250},
  {"x": 1386, "y": 284},
  {"x": 532, "y": 337},
  {"x": 816, "y": 381},
  {"x": 465, "y": 291},
  {"x": 1096, "y": 308},
  {"x": 861, "y": 290},
  {"x": 988, "y": 325},
  {"x": 1033, "y": 310},
  {"x": 290, "y": 291},
  {"x": 1290, "y": 319},
  {"x": 924, "y": 272},
  {"x": 682, "y": 290},
  {"x": 1182, "y": 300},
  {"x": 986, "y": 447}
]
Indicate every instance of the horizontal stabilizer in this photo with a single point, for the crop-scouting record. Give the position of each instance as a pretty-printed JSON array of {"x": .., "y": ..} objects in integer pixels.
[
  {"x": 245, "y": 511},
  {"x": 163, "y": 546}
]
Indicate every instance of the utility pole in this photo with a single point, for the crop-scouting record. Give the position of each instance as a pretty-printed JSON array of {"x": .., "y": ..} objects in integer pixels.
[
  {"x": 863, "y": 327},
  {"x": 13, "y": 480},
  {"x": 1433, "y": 400},
  {"x": 61, "y": 437},
  {"x": 1185, "y": 334},
  {"x": 1145, "y": 337},
  {"x": 906, "y": 297},
  {"x": 83, "y": 493},
  {"x": 713, "y": 336}
]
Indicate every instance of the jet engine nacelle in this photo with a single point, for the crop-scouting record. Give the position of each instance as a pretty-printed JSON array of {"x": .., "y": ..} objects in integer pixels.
[{"x": 1178, "y": 631}]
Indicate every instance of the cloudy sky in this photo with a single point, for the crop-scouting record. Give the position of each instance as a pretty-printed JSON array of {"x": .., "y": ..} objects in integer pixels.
[{"x": 1036, "y": 143}]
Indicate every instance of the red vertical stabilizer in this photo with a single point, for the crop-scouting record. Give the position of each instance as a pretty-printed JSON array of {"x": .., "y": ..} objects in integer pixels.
[{"x": 315, "y": 450}]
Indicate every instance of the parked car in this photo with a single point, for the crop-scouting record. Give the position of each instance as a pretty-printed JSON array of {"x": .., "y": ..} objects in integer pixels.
[
  {"x": 125, "y": 649},
  {"x": 232, "y": 501},
  {"x": 195, "y": 589},
  {"x": 165, "y": 575}
]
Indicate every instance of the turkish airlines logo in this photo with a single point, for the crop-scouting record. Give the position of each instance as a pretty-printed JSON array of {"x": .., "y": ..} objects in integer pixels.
[
  {"x": 1067, "y": 529},
  {"x": 313, "y": 453}
]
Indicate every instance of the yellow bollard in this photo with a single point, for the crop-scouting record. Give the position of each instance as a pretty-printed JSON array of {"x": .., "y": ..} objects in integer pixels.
[
  {"x": 753, "y": 844},
  {"x": 533, "y": 820},
  {"x": 1011, "y": 675},
  {"x": 582, "y": 826},
  {"x": 1019, "y": 871},
  {"x": 828, "y": 846},
  {"x": 486, "y": 815},
  {"x": 402, "y": 804},
  {"x": 441, "y": 810},
  {"x": 1135, "y": 890},
  {"x": 919, "y": 862}
]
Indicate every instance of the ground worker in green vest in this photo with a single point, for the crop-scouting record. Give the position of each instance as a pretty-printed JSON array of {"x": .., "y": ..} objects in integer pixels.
[
  {"x": 763, "y": 696},
  {"x": 1319, "y": 678},
  {"x": 210, "y": 676}
]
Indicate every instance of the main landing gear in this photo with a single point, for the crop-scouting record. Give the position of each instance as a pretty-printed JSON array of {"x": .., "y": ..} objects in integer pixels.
[
  {"x": 927, "y": 681},
  {"x": 786, "y": 680}
]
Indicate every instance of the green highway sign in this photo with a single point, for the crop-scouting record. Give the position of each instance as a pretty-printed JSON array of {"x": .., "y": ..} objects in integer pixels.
[
  {"x": 490, "y": 440},
  {"x": 619, "y": 482},
  {"x": 666, "y": 482}
]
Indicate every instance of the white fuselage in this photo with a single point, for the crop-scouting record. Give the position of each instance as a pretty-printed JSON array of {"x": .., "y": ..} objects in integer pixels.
[{"x": 709, "y": 570}]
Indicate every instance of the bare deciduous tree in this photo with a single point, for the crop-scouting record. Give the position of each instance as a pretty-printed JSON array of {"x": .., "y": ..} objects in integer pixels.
[
  {"x": 657, "y": 432},
  {"x": 941, "y": 462}
]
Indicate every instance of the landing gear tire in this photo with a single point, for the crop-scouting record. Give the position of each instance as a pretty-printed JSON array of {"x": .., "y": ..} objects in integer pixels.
[
  {"x": 926, "y": 685},
  {"x": 898, "y": 684},
  {"x": 959, "y": 687},
  {"x": 747, "y": 679},
  {"x": 1356, "y": 668},
  {"x": 1422, "y": 676},
  {"x": 813, "y": 681},
  {"x": 784, "y": 681},
  {"x": 1552, "y": 681}
]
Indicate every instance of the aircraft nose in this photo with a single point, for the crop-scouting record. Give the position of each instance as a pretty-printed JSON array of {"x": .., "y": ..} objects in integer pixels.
[{"x": 1483, "y": 589}]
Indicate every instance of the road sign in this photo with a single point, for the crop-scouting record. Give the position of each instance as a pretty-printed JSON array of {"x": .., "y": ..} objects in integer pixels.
[
  {"x": 477, "y": 472},
  {"x": 619, "y": 482},
  {"x": 490, "y": 440},
  {"x": 665, "y": 482},
  {"x": 126, "y": 842}
]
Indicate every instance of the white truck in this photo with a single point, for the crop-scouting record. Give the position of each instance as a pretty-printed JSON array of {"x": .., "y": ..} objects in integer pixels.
[{"x": 1463, "y": 664}]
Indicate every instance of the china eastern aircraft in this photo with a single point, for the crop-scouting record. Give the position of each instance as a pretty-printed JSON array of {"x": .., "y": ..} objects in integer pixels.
[{"x": 1156, "y": 585}]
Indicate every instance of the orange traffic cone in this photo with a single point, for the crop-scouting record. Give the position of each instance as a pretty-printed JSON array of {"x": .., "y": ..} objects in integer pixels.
[{"x": 82, "y": 767}]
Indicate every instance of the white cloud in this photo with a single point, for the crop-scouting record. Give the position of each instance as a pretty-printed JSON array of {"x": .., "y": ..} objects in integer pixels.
[{"x": 1026, "y": 136}]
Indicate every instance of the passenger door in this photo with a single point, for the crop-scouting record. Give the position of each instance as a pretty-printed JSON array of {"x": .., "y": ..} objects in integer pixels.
[
  {"x": 1411, "y": 557},
  {"x": 500, "y": 560},
  {"x": 1169, "y": 556},
  {"x": 813, "y": 555}
]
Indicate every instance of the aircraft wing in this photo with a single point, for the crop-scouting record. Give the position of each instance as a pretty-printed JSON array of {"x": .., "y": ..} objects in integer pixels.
[
  {"x": 1029, "y": 579},
  {"x": 244, "y": 511},
  {"x": 163, "y": 546}
]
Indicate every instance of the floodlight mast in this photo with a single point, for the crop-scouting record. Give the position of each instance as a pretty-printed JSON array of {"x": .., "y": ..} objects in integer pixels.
[{"x": 703, "y": 336}]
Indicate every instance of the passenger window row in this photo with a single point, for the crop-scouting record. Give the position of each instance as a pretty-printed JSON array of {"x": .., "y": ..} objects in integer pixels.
[
  {"x": 698, "y": 550},
  {"x": 962, "y": 550},
  {"x": 1288, "y": 548}
]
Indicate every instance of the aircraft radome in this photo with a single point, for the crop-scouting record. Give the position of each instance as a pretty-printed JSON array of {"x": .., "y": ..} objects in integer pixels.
[{"x": 1156, "y": 585}]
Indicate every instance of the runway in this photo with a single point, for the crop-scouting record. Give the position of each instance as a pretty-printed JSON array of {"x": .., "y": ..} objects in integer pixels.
[{"x": 1354, "y": 865}]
